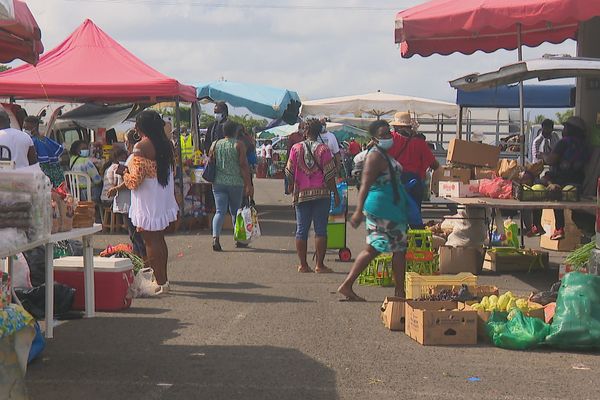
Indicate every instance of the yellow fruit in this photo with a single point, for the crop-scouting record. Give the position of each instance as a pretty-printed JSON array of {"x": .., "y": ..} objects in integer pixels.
[
  {"x": 493, "y": 301},
  {"x": 568, "y": 188},
  {"x": 512, "y": 303},
  {"x": 509, "y": 295},
  {"x": 503, "y": 302},
  {"x": 522, "y": 305},
  {"x": 539, "y": 186},
  {"x": 485, "y": 302},
  {"x": 477, "y": 307}
]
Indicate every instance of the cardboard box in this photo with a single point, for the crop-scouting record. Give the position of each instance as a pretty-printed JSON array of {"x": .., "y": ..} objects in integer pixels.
[
  {"x": 473, "y": 153},
  {"x": 502, "y": 262},
  {"x": 460, "y": 259},
  {"x": 449, "y": 174},
  {"x": 484, "y": 173},
  {"x": 536, "y": 311},
  {"x": 440, "y": 323},
  {"x": 392, "y": 313},
  {"x": 564, "y": 269},
  {"x": 572, "y": 234},
  {"x": 459, "y": 189}
]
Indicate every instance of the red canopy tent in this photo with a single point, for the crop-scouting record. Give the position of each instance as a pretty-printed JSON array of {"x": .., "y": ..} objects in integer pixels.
[
  {"x": 448, "y": 26},
  {"x": 20, "y": 36},
  {"x": 90, "y": 66}
]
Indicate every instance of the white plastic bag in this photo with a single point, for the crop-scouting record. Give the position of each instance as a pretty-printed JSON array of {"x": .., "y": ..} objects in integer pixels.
[
  {"x": 21, "y": 277},
  {"x": 144, "y": 284},
  {"x": 246, "y": 225}
]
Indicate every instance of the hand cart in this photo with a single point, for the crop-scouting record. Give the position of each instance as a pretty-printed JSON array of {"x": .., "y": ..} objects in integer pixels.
[{"x": 336, "y": 226}]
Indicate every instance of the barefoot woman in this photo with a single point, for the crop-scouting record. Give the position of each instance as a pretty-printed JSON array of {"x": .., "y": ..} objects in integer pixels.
[
  {"x": 382, "y": 199},
  {"x": 149, "y": 176}
]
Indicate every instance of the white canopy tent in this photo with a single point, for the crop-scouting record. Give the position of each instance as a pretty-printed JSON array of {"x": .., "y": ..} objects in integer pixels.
[{"x": 377, "y": 104}]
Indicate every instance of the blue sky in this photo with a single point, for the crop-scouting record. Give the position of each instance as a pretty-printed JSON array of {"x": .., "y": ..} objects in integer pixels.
[{"x": 317, "y": 52}]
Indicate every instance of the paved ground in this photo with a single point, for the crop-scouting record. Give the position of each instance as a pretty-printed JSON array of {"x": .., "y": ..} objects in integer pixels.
[{"x": 244, "y": 325}]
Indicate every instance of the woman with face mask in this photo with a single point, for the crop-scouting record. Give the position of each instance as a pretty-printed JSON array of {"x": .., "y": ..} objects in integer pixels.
[
  {"x": 383, "y": 201},
  {"x": 80, "y": 162}
]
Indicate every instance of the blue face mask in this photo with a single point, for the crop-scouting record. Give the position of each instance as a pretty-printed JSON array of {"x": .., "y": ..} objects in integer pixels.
[
  {"x": 84, "y": 153},
  {"x": 386, "y": 144}
]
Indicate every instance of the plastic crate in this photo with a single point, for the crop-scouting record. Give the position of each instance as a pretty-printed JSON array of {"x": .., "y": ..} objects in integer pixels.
[
  {"x": 571, "y": 195},
  {"x": 528, "y": 195},
  {"x": 378, "y": 272},
  {"x": 422, "y": 262},
  {"x": 420, "y": 240},
  {"x": 417, "y": 286}
]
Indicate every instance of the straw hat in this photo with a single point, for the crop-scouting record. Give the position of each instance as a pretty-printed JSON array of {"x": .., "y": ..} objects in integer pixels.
[{"x": 402, "y": 118}]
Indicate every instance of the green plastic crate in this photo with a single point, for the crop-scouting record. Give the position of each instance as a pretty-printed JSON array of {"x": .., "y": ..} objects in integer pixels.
[{"x": 336, "y": 235}]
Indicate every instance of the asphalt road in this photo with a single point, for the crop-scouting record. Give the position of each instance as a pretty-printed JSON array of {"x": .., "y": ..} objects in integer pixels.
[{"x": 244, "y": 324}]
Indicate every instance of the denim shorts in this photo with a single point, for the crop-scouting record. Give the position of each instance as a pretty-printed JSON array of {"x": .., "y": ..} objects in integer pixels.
[{"x": 315, "y": 212}]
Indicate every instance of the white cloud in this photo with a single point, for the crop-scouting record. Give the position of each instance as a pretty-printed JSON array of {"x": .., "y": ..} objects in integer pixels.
[{"x": 319, "y": 53}]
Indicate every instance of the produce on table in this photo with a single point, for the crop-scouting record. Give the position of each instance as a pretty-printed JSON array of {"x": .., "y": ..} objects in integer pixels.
[
  {"x": 463, "y": 294},
  {"x": 124, "y": 251},
  {"x": 579, "y": 258},
  {"x": 538, "y": 186},
  {"x": 568, "y": 188},
  {"x": 504, "y": 302}
]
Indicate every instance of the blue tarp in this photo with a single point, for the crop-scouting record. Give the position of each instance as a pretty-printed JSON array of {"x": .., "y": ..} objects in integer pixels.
[
  {"x": 266, "y": 101},
  {"x": 535, "y": 96}
]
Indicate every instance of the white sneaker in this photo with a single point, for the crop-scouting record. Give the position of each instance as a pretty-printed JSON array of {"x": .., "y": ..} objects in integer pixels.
[{"x": 163, "y": 289}]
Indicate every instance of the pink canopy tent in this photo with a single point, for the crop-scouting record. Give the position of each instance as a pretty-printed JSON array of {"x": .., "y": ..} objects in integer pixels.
[
  {"x": 20, "y": 36},
  {"x": 448, "y": 26},
  {"x": 90, "y": 66}
]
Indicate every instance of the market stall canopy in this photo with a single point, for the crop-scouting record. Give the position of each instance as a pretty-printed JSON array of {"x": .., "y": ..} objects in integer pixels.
[
  {"x": 549, "y": 67},
  {"x": 20, "y": 36},
  {"x": 266, "y": 101},
  {"x": 448, "y": 26},
  {"x": 377, "y": 104},
  {"x": 333, "y": 127},
  {"x": 94, "y": 116},
  {"x": 90, "y": 66},
  {"x": 535, "y": 96}
]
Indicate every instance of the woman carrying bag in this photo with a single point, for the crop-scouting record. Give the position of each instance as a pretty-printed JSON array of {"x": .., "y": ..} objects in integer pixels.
[
  {"x": 383, "y": 201},
  {"x": 231, "y": 179}
]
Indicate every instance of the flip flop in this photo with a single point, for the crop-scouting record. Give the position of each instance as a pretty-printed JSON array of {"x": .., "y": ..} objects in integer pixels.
[
  {"x": 304, "y": 270},
  {"x": 357, "y": 299},
  {"x": 324, "y": 270}
]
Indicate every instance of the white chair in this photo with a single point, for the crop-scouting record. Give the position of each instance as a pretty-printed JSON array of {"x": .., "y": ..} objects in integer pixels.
[{"x": 75, "y": 181}]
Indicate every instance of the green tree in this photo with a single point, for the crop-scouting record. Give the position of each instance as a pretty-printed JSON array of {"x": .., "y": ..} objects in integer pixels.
[
  {"x": 539, "y": 119},
  {"x": 185, "y": 113},
  {"x": 247, "y": 121},
  {"x": 564, "y": 116},
  {"x": 4, "y": 67}
]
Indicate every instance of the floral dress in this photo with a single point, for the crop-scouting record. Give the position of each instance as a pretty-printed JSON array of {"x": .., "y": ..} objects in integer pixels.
[{"x": 385, "y": 235}]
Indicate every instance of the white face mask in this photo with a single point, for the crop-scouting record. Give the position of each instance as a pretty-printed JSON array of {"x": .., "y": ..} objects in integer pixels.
[
  {"x": 386, "y": 144},
  {"x": 219, "y": 116},
  {"x": 84, "y": 153}
]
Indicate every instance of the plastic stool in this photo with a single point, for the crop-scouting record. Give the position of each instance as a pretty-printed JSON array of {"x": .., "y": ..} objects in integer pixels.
[{"x": 109, "y": 221}]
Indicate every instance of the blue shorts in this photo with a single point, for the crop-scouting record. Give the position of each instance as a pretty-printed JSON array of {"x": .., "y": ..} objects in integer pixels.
[{"x": 315, "y": 212}]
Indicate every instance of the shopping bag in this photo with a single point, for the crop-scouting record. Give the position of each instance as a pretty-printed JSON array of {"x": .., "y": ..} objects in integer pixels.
[
  {"x": 144, "y": 284},
  {"x": 246, "y": 225},
  {"x": 515, "y": 331}
]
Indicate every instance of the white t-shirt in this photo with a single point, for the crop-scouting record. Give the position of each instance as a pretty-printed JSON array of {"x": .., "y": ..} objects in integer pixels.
[
  {"x": 19, "y": 143},
  {"x": 263, "y": 151},
  {"x": 268, "y": 151},
  {"x": 329, "y": 139}
]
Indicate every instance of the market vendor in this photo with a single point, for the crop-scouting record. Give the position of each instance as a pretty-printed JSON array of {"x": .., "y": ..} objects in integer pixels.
[
  {"x": 48, "y": 151},
  {"x": 545, "y": 141},
  {"x": 22, "y": 149},
  {"x": 567, "y": 167},
  {"x": 412, "y": 152},
  {"x": 80, "y": 162}
]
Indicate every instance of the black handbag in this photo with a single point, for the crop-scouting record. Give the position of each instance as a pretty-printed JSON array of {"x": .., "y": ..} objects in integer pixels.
[{"x": 210, "y": 170}]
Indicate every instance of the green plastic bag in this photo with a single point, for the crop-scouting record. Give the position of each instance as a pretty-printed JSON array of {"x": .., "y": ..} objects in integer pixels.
[
  {"x": 517, "y": 333},
  {"x": 239, "y": 230},
  {"x": 576, "y": 323}
]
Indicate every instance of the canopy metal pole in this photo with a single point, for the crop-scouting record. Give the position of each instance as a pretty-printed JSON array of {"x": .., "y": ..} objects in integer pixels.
[
  {"x": 460, "y": 122},
  {"x": 178, "y": 130},
  {"x": 521, "y": 95}
]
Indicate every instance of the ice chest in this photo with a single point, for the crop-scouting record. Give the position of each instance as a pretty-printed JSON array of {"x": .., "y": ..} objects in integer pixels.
[{"x": 112, "y": 279}]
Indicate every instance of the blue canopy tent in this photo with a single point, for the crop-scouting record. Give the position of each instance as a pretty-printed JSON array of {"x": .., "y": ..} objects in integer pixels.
[
  {"x": 535, "y": 96},
  {"x": 266, "y": 101}
]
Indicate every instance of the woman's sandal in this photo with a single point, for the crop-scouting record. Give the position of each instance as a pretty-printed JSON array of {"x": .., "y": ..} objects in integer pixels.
[
  {"x": 324, "y": 270},
  {"x": 304, "y": 270},
  {"x": 163, "y": 289}
]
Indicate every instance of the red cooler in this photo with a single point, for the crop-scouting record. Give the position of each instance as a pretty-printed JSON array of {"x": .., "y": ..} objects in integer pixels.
[{"x": 112, "y": 279}]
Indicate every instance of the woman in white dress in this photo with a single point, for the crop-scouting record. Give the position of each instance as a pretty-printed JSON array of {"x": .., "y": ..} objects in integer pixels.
[{"x": 149, "y": 176}]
